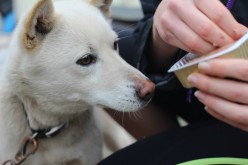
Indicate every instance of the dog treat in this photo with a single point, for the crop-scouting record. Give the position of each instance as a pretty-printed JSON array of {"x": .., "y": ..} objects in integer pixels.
[{"x": 188, "y": 64}]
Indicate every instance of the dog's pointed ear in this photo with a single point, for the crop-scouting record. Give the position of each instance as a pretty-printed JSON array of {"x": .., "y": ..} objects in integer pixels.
[
  {"x": 103, "y": 5},
  {"x": 38, "y": 23}
]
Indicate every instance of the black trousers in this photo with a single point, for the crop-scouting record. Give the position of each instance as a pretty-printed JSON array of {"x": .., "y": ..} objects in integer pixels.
[{"x": 208, "y": 139}]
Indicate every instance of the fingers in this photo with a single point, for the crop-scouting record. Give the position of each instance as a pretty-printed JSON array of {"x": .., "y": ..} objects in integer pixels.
[
  {"x": 229, "y": 112},
  {"x": 226, "y": 120},
  {"x": 202, "y": 25},
  {"x": 228, "y": 89},
  {"x": 230, "y": 67},
  {"x": 175, "y": 32},
  {"x": 222, "y": 17},
  {"x": 211, "y": 80},
  {"x": 225, "y": 99}
]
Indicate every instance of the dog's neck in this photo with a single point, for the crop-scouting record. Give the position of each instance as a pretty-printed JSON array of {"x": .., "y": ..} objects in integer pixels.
[{"x": 42, "y": 117}]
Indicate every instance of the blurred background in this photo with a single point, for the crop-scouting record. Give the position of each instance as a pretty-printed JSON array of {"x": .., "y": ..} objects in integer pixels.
[
  {"x": 125, "y": 14},
  {"x": 12, "y": 10}
]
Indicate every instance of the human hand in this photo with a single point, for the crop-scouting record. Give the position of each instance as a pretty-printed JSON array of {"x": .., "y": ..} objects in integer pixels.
[
  {"x": 225, "y": 99},
  {"x": 197, "y": 26}
]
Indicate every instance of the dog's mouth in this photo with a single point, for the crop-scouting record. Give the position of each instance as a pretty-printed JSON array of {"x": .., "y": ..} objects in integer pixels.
[{"x": 127, "y": 105}]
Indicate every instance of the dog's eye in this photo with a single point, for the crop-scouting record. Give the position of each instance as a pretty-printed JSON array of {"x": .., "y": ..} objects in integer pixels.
[
  {"x": 86, "y": 60},
  {"x": 115, "y": 46}
]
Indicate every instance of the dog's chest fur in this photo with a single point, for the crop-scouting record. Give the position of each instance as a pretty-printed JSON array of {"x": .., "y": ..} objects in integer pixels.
[{"x": 79, "y": 143}]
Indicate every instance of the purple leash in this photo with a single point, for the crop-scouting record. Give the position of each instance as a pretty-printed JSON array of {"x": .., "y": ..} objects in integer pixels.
[{"x": 229, "y": 6}]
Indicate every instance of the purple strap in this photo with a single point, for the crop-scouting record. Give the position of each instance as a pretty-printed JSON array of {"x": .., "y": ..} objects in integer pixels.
[{"x": 229, "y": 6}]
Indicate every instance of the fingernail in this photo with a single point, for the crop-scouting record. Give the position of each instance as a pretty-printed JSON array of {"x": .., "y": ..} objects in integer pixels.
[
  {"x": 192, "y": 79},
  {"x": 199, "y": 96},
  {"x": 204, "y": 66}
]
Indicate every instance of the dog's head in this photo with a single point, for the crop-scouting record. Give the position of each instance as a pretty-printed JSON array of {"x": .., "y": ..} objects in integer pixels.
[{"x": 68, "y": 55}]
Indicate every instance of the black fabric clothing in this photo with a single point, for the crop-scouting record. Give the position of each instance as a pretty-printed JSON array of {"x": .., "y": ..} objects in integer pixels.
[{"x": 207, "y": 139}]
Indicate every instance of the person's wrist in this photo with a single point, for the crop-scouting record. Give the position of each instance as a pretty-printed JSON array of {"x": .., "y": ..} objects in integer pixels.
[{"x": 161, "y": 51}]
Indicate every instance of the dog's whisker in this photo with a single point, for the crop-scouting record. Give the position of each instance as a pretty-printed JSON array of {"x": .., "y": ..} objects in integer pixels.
[
  {"x": 130, "y": 115},
  {"x": 126, "y": 28},
  {"x": 124, "y": 37},
  {"x": 116, "y": 112},
  {"x": 135, "y": 117},
  {"x": 122, "y": 31},
  {"x": 122, "y": 120},
  {"x": 138, "y": 115}
]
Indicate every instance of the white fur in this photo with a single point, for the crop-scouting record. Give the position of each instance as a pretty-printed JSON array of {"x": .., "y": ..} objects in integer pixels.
[{"x": 54, "y": 89}]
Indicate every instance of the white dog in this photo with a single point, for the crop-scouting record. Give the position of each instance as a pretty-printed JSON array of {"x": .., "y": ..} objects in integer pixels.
[{"x": 63, "y": 63}]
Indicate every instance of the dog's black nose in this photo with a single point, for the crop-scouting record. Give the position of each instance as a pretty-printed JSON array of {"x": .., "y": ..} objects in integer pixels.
[{"x": 145, "y": 89}]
